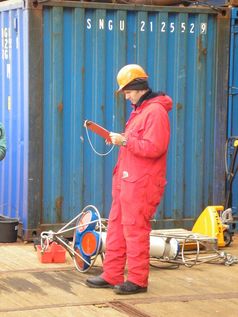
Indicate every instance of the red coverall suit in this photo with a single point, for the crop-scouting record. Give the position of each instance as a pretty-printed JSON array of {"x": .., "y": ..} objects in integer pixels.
[{"x": 138, "y": 185}]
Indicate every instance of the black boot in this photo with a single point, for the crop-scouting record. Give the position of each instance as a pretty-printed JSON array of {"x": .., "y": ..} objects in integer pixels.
[
  {"x": 98, "y": 282},
  {"x": 128, "y": 288}
]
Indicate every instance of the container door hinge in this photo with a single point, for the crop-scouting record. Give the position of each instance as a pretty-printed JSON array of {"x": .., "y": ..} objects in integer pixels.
[
  {"x": 234, "y": 29},
  {"x": 233, "y": 90}
]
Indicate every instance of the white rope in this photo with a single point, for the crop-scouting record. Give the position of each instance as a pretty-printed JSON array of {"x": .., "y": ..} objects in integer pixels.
[{"x": 94, "y": 150}]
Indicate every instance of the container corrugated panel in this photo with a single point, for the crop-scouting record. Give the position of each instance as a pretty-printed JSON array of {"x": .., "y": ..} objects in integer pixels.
[
  {"x": 20, "y": 112},
  {"x": 13, "y": 114},
  {"x": 67, "y": 56},
  {"x": 233, "y": 97},
  {"x": 84, "y": 47}
]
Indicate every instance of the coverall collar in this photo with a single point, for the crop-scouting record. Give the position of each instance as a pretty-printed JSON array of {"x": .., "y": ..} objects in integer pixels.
[{"x": 148, "y": 95}]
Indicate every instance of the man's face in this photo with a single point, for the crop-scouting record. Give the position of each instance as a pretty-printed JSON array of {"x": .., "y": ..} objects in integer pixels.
[{"x": 133, "y": 95}]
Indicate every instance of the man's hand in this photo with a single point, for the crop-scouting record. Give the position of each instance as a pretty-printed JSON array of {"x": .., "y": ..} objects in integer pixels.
[{"x": 117, "y": 138}]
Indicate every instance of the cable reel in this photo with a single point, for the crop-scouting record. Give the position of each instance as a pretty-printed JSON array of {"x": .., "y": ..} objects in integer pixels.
[{"x": 87, "y": 238}]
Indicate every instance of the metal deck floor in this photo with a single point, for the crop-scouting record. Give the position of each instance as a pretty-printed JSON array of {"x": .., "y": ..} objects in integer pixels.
[{"x": 30, "y": 288}]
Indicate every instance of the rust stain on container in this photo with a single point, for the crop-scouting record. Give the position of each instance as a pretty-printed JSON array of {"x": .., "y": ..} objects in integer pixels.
[
  {"x": 202, "y": 51},
  {"x": 60, "y": 107},
  {"x": 179, "y": 106},
  {"x": 58, "y": 207}
]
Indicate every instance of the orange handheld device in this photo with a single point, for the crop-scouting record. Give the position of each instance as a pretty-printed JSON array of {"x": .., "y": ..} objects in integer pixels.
[{"x": 96, "y": 128}]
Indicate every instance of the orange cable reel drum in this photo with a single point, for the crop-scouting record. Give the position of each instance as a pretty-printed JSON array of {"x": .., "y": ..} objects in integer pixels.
[
  {"x": 87, "y": 241},
  {"x": 90, "y": 243},
  {"x": 129, "y": 73},
  {"x": 83, "y": 224}
]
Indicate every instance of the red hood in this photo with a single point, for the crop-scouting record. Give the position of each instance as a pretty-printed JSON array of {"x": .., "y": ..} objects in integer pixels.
[{"x": 165, "y": 101}]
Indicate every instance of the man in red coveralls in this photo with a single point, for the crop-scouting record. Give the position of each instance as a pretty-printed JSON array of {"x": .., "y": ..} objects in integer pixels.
[{"x": 139, "y": 179}]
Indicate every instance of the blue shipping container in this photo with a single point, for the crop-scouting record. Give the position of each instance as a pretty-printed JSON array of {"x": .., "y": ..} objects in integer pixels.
[
  {"x": 21, "y": 108},
  {"x": 63, "y": 60}
]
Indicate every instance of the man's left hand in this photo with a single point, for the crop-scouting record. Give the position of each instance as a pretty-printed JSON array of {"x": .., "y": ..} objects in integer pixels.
[{"x": 117, "y": 138}]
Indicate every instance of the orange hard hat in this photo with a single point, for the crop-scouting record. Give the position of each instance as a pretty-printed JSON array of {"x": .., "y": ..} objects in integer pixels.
[{"x": 128, "y": 73}]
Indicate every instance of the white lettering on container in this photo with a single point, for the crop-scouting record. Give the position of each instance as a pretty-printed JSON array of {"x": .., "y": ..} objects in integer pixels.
[
  {"x": 101, "y": 24},
  {"x": 144, "y": 26},
  {"x": 122, "y": 25},
  {"x": 110, "y": 25},
  {"x": 89, "y": 25}
]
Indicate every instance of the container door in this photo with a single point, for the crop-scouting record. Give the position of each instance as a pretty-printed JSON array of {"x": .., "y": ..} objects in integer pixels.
[
  {"x": 21, "y": 114},
  {"x": 13, "y": 114}
]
